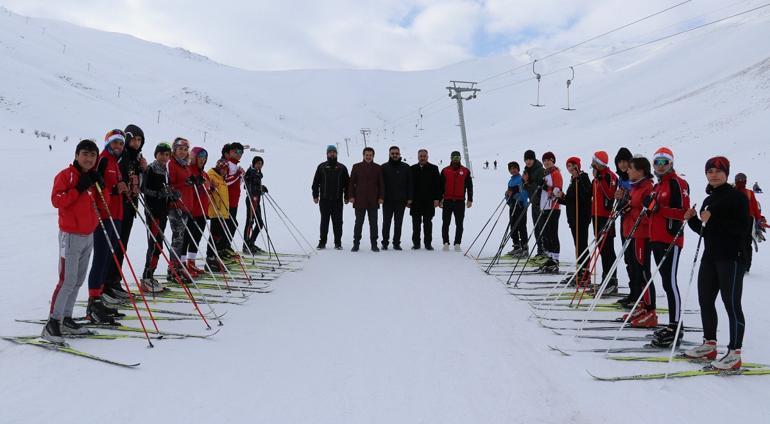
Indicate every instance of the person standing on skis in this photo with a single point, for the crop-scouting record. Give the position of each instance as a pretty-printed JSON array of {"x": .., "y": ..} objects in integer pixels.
[
  {"x": 549, "y": 204},
  {"x": 74, "y": 197},
  {"x": 533, "y": 182},
  {"x": 723, "y": 224},
  {"x": 666, "y": 209},
  {"x": 182, "y": 197},
  {"x": 605, "y": 185},
  {"x": 577, "y": 203},
  {"x": 518, "y": 201},
  {"x": 233, "y": 156},
  {"x": 218, "y": 213},
  {"x": 157, "y": 195},
  {"x": 455, "y": 183},
  {"x": 622, "y": 163},
  {"x": 254, "y": 192},
  {"x": 200, "y": 201}
]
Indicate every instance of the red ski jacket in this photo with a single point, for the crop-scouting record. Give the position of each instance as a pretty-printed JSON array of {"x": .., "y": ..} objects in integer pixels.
[
  {"x": 76, "y": 210},
  {"x": 455, "y": 182},
  {"x": 640, "y": 190},
  {"x": 604, "y": 186},
  {"x": 672, "y": 199},
  {"x": 754, "y": 211},
  {"x": 179, "y": 180},
  {"x": 197, "y": 212},
  {"x": 554, "y": 183},
  {"x": 110, "y": 171}
]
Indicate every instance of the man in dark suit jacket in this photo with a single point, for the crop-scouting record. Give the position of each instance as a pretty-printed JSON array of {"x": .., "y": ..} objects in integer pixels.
[
  {"x": 366, "y": 193},
  {"x": 397, "y": 178},
  {"x": 426, "y": 182}
]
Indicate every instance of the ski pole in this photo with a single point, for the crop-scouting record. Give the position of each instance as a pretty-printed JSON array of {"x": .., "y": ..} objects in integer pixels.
[
  {"x": 275, "y": 203},
  {"x": 604, "y": 235},
  {"x": 255, "y": 218},
  {"x": 482, "y": 228},
  {"x": 529, "y": 237},
  {"x": 492, "y": 230},
  {"x": 286, "y": 225},
  {"x": 125, "y": 255},
  {"x": 173, "y": 253},
  {"x": 175, "y": 274},
  {"x": 687, "y": 295},
  {"x": 120, "y": 270},
  {"x": 508, "y": 232},
  {"x": 538, "y": 237},
  {"x": 646, "y": 287},
  {"x": 229, "y": 236},
  {"x": 270, "y": 239}
]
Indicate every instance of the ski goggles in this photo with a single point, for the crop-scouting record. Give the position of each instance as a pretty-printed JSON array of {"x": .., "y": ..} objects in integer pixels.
[{"x": 661, "y": 162}]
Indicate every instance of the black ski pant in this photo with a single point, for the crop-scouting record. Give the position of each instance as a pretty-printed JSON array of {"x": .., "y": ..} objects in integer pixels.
[
  {"x": 253, "y": 226},
  {"x": 668, "y": 270},
  {"x": 550, "y": 237},
  {"x": 422, "y": 220},
  {"x": 725, "y": 278},
  {"x": 232, "y": 225},
  {"x": 640, "y": 272},
  {"x": 153, "y": 250},
  {"x": 628, "y": 255},
  {"x": 536, "y": 213},
  {"x": 579, "y": 232},
  {"x": 217, "y": 238},
  {"x": 456, "y": 208},
  {"x": 331, "y": 210},
  {"x": 102, "y": 256},
  {"x": 392, "y": 212},
  {"x": 371, "y": 215},
  {"x": 112, "y": 278},
  {"x": 607, "y": 246},
  {"x": 196, "y": 225},
  {"x": 518, "y": 220}
]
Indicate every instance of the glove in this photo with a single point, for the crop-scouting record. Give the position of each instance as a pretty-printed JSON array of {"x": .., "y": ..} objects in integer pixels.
[
  {"x": 84, "y": 182},
  {"x": 175, "y": 195},
  {"x": 650, "y": 202},
  {"x": 191, "y": 180},
  {"x": 199, "y": 180},
  {"x": 264, "y": 189}
]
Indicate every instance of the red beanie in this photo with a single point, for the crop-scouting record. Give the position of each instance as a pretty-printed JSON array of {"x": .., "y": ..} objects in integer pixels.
[
  {"x": 718, "y": 162},
  {"x": 549, "y": 156},
  {"x": 664, "y": 152},
  {"x": 601, "y": 157},
  {"x": 574, "y": 160}
]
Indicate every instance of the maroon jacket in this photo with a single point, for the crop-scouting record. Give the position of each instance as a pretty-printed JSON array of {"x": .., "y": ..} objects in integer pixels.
[{"x": 366, "y": 185}]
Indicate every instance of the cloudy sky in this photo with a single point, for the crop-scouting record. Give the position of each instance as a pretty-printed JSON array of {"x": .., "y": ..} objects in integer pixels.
[{"x": 362, "y": 34}]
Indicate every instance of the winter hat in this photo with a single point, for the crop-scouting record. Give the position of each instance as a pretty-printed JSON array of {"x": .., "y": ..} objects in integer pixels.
[
  {"x": 529, "y": 154},
  {"x": 87, "y": 145},
  {"x": 198, "y": 152},
  {"x": 549, "y": 156},
  {"x": 180, "y": 142},
  {"x": 574, "y": 160},
  {"x": 718, "y": 162},
  {"x": 663, "y": 152},
  {"x": 601, "y": 158},
  {"x": 221, "y": 164},
  {"x": 114, "y": 135},
  {"x": 134, "y": 131},
  {"x": 162, "y": 147},
  {"x": 331, "y": 148},
  {"x": 623, "y": 154},
  {"x": 455, "y": 154}
]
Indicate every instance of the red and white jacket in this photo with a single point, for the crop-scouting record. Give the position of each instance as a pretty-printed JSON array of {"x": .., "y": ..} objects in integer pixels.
[
  {"x": 76, "y": 210},
  {"x": 554, "y": 183},
  {"x": 110, "y": 171},
  {"x": 672, "y": 200},
  {"x": 456, "y": 181},
  {"x": 178, "y": 179},
  {"x": 233, "y": 181},
  {"x": 604, "y": 186},
  {"x": 640, "y": 190}
]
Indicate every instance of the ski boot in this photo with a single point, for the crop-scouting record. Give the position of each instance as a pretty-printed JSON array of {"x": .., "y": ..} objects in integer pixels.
[
  {"x": 151, "y": 285},
  {"x": 52, "y": 332},
  {"x": 664, "y": 337},
  {"x": 612, "y": 287},
  {"x": 70, "y": 327},
  {"x": 549, "y": 267},
  {"x": 706, "y": 351},
  {"x": 730, "y": 362},
  {"x": 214, "y": 264},
  {"x": 97, "y": 312},
  {"x": 646, "y": 319},
  {"x": 194, "y": 271}
]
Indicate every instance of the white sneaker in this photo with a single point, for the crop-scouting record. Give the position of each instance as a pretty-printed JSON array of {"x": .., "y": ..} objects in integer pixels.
[
  {"x": 458, "y": 248},
  {"x": 446, "y": 247},
  {"x": 730, "y": 362},
  {"x": 708, "y": 350}
]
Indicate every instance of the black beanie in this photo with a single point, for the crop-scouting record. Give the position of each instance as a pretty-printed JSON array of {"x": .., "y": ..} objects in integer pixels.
[
  {"x": 87, "y": 145},
  {"x": 162, "y": 147},
  {"x": 529, "y": 154},
  {"x": 623, "y": 154}
]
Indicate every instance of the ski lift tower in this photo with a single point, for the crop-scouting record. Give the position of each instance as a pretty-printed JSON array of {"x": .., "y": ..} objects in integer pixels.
[
  {"x": 365, "y": 132},
  {"x": 463, "y": 90}
]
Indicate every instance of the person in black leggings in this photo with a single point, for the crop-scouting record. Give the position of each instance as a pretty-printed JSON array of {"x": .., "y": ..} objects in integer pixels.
[{"x": 723, "y": 224}]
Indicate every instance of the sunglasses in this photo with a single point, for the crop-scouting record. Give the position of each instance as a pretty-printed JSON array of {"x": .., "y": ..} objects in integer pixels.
[
  {"x": 661, "y": 162},
  {"x": 238, "y": 151}
]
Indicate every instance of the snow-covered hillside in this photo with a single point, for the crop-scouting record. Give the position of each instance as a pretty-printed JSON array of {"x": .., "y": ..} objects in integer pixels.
[{"x": 394, "y": 337}]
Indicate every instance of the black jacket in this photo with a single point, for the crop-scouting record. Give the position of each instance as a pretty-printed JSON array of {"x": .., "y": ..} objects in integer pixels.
[
  {"x": 253, "y": 179},
  {"x": 128, "y": 162},
  {"x": 397, "y": 178},
  {"x": 154, "y": 189},
  {"x": 726, "y": 236},
  {"x": 577, "y": 199},
  {"x": 426, "y": 188},
  {"x": 330, "y": 182},
  {"x": 536, "y": 175}
]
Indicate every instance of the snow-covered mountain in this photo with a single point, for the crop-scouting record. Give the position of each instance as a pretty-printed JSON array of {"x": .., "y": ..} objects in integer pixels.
[{"x": 369, "y": 338}]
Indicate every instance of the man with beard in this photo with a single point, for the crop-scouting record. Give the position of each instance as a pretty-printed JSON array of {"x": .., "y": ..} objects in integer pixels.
[
  {"x": 426, "y": 195},
  {"x": 330, "y": 187}
]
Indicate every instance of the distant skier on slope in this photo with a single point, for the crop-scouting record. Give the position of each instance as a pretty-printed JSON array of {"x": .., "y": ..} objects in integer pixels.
[
  {"x": 456, "y": 181},
  {"x": 73, "y": 196},
  {"x": 724, "y": 225}
]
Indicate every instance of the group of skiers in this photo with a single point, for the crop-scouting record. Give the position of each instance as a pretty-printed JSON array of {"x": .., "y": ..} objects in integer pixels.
[
  {"x": 652, "y": 204},
  {"x": 395, "y": 186},
  {"x": 98, "y": 198}
]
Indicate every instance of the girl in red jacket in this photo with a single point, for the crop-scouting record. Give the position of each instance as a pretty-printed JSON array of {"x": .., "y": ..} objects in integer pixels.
[{"x": 73, "y": 196}]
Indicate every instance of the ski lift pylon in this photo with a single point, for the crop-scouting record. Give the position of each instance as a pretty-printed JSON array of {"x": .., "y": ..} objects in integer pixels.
[
  {"x": 569, "y": 83},
  {"x": 538, "y": 77}
]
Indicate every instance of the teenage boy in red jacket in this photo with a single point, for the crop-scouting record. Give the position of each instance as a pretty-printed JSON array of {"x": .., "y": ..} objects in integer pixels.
[{"x": 73, "y": 196}]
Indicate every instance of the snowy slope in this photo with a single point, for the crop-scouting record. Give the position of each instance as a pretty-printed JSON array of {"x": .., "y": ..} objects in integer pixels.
[{"x": 369, "y": 338}]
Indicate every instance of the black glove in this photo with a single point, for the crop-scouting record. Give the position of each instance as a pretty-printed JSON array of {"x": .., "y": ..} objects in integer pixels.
[
  {"x": 264, "y": 189},
  {"x": 96, "y": 177},
  {"x": 650, "y": 202},
  {"x": 199, "y": 180},
  {"x": 191, "y": 180},
  {"x": 84, "y": 182}
]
